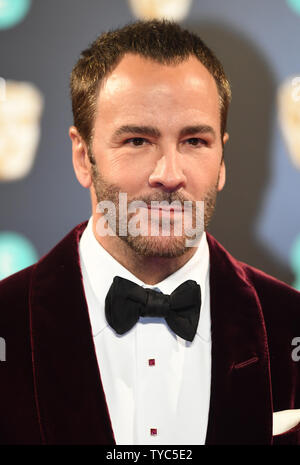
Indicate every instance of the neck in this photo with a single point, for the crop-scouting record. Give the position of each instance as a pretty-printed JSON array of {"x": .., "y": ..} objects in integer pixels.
[{"x": 150, "y": 270}]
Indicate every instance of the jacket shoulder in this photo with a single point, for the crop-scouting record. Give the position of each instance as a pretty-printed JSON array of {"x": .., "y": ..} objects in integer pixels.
[
  {"x": 15, "y": 286},
  {"x": 278, "y": 300},
  {"x": 280, "y": 305},
  {"x": 270, "y": 290},
  {"x": 15, "y": 289},
  {"x": 14, "y": 299}
]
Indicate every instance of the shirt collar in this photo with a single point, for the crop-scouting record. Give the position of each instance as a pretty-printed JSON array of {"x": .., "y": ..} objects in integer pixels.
[{"x": 94, "y": 259}]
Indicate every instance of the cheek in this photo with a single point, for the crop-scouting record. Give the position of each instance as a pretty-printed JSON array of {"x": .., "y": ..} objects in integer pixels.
[
  {"x": 201, "y": 178},
  {"x": 126, "y": 176}
]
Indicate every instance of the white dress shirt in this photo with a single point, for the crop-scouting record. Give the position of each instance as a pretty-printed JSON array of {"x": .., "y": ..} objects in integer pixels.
[{"x": 156, "y": 384}]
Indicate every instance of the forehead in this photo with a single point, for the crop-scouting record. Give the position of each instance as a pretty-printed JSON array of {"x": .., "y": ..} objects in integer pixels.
[{"x": 140, "y": 84}]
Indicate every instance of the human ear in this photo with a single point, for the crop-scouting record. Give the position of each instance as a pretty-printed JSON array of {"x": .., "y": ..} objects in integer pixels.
[
  {"x": 80, "y": 158},
  {"x": 222, "y": 174}
]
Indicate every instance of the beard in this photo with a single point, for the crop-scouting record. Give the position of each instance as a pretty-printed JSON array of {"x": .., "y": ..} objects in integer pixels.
[{"x": 148, "y": 245}]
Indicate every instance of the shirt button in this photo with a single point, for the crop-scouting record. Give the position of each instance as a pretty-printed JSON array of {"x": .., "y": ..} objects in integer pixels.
[
  {"x": 153, "y": 431},
  {"x": 151, "y": 362}
]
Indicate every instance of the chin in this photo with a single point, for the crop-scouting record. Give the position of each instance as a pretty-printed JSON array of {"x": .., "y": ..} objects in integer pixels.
[{"x": 164, "y": 247}]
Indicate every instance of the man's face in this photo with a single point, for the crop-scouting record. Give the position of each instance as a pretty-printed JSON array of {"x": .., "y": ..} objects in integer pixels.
[{"x": 157, "y": 137}]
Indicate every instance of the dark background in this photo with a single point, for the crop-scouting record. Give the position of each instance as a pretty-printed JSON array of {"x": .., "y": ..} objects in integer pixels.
[{"x": 257, "y": 216}]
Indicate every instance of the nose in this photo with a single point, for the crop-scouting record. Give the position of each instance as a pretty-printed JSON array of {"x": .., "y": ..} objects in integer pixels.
[{"x": 168, "y": 173}]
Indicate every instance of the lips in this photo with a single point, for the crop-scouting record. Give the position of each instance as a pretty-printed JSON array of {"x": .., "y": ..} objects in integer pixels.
[{"x": 166, "y": 208}]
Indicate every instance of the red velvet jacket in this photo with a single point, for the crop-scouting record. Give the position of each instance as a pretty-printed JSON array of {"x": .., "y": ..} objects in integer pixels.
[{"x": 50, "y": 387}]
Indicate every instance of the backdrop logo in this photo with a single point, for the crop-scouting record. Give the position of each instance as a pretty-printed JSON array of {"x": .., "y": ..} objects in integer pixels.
[
  {"x": 296, "y": 89},
  {"x": 2, "y": 89}
]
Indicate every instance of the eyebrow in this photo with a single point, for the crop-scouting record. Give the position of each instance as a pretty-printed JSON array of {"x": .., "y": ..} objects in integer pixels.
[
  {"x": 154, "y": 132},
  {"x": 197, "y": 129},
  {"x": 132, "y": 129}
]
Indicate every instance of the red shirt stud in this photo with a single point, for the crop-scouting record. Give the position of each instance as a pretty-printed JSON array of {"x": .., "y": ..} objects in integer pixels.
[
  {"x": 153, "y": 431},
  {"x": 151, "y": 362}
]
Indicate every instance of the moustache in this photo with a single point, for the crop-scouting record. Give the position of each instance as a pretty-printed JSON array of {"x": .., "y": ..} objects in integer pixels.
[{"x": 162, "y": 197}]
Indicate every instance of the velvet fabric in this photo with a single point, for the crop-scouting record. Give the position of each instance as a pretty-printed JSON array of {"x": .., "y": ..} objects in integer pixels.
[{"x": 50, "y": 387}]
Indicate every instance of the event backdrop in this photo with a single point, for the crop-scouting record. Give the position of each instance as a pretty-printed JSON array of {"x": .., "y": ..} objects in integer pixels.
[{"x": 257, "y": 216}]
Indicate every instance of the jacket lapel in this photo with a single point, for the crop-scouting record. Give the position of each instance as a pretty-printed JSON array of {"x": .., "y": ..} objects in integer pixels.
[
  {"x": 68, "y": 389},
  {"x": 241, "y": 401}
]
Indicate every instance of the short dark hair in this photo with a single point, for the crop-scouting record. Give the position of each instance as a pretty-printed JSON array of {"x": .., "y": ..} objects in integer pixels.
[{"x": 162, "y": 41}]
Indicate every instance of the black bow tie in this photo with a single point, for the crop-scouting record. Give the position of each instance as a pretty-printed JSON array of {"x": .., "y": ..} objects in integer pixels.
[{"x": 126, "y": 302}]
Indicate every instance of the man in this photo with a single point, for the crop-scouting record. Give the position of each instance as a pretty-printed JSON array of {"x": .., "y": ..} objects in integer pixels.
[{"x": 134, "y": 337}]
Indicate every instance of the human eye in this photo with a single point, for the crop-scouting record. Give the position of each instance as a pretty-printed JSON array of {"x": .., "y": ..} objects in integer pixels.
[
  {"x": 136, "y": 141},
  {"x": 196, "y": 142}
]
